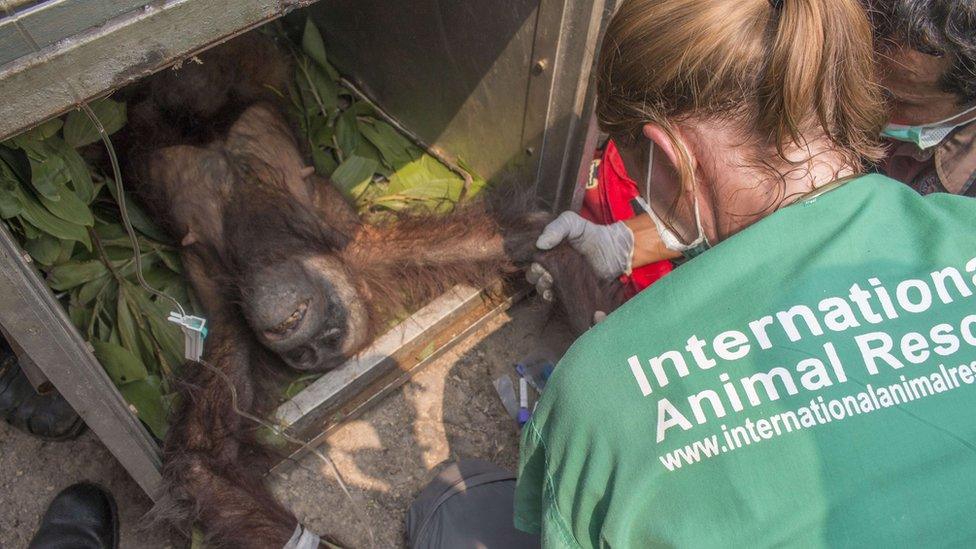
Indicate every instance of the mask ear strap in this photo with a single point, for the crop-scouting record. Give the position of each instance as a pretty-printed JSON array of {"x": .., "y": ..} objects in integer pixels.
[
  {"x": 647, "y": 172},
  {"x": 670, "y": 240},
  {"x": 953, "y": 117},
  {"x": 701, "y": 239},
  {"x": 698, "y": 224},
  {"x": 700, "y": 244}
]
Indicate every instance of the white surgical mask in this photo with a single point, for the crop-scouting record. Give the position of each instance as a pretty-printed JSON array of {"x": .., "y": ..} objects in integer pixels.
[
  {"x": 928, "y": 135},
  {"x": 670, "y": 240}
]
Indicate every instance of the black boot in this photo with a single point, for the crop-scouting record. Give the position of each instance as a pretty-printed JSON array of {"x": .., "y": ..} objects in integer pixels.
[
  {"x": 47, "y": 416},
  {"x": 82, "y": 516}
]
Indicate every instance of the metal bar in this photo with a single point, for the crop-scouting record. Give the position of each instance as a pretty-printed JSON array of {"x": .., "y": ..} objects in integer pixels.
[
  {"x": 358, "y": 371},
  {"x": 354, "y": 387},
  {"x": 33, "y": 318},
  {"x": 571, "y": 96},
  {"x": 124, "y": 49},
  {"x": 34, "y": 375},
  {"x": 542, "y": 75},
  {"x": 591, "y": 140}
]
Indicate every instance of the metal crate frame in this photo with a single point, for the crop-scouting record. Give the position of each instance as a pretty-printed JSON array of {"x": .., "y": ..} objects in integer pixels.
[{"x": 559, "y": 136}]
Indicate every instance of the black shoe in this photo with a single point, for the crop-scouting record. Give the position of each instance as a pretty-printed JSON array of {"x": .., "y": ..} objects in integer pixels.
[
  {"x": 82, "y": 516},
  {"x": 47, "y": 416}
]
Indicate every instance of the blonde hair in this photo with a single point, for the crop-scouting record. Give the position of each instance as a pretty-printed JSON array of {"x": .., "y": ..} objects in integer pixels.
[{"x": 778, "y": 73}]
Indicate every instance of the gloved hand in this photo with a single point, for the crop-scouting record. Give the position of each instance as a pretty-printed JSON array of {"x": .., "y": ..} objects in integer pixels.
[{"x": 608, "y": 248}]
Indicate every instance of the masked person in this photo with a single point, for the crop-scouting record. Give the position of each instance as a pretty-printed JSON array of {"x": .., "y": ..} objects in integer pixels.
[
  {"x": 807, "y": 378},
  {"x": 927, "y": 62}
]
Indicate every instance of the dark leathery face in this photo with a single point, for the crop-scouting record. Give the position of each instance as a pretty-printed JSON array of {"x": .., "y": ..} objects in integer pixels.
[{"x": 297, "y": 312}]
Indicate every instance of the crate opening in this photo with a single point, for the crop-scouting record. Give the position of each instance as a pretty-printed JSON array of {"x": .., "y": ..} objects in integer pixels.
[{"x": 62, "y": 206}]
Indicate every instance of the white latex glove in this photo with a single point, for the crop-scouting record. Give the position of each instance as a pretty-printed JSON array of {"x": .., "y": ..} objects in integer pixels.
[{"x": 608, "y": 248}]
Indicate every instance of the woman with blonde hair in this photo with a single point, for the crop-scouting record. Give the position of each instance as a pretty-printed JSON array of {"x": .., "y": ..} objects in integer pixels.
[{"x": 804, "y": 377}]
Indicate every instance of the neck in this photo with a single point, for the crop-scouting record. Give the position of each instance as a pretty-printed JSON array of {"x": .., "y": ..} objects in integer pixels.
[
  {"x": 746, "y": 190},
  {"x": 822, "y": 170}
]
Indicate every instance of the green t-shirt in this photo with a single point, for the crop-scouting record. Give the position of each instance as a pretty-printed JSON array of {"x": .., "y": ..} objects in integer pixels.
[{"x": 808, "y": 382}]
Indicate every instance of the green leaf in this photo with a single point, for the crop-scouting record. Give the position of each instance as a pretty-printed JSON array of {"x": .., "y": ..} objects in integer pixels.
[
  {"x": 310, "y": 106},
  {"x": 324, "y": 162},
  {"x": 67, "y": 249},
  {"x": 48, "y": 173},
  {"x": 104, "y": 331},
  {"x": 117, "y": 254},
  {"x": 139, "y": 218},
  {"x": 128, "y": 268},
  {"x": 299, "y": 385},
  {"x": 171, "y": 260},
  {"x": 147, "y": 349},
  {"x": 312, "y": 43},
  {"x": 347, "y": 133},
  {"x": 17, "y": 161},
  {"x": 108, "y": 233},
  {"x": 293, "y": 95},
  {"x": 426, "y": 170},
  {"x": 167, "y": 335},
  {"x": 353, "y": 172},
  {"x": 121, "y": 364},
  {"x": 125, "y": 324},
  {"x": 88, "y": 290},
  {"x": 313, "y": 46},
  {"x": 81, "y": 180},
  {"x": 167, "y": 282},
  {"x": 196, "y": 539},
  {"x": 367, "y": 150},
  {"x": 321, "y": 132},
  {"x": 436, "y": 189},
  {"x": 113, "y": 236},
  {"x": 45, "y": 249},
  {"x": 37, "y": 134},
  {"x": 327, "y": 91},
  {"x": 80, "y": 316},
  {"x": 10, "y": 205},
  {"x": 397, "y": 151},
  {"x": 44, "y": 130},
  {"x": 146, "y": 396},
  {"x": 30, "y": 231},
  {"x": 75, "y": 273},
  {"x": 69, "y": 207},
  {"x": 79, "y": 130},
  {"x": 364, "y": 110},
  {"x": 38, "y": 216}
]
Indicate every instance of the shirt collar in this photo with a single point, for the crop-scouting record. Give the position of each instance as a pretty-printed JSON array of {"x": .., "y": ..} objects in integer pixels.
[{"x": 955, "y": 159}]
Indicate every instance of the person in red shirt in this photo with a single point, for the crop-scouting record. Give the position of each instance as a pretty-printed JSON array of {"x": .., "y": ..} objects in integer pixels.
[
  {"x": 615, "y": 228},
  {"x": 926, "y": 60},
  {"x": 610, "y": 196}
]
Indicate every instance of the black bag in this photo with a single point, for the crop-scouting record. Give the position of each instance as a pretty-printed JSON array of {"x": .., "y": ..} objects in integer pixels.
[{"x": 469, "y": 504}]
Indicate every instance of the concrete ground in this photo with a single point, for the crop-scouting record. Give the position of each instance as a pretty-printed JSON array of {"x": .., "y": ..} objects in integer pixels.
[
  {"x": 32, "y": 472},
  {"x": 448, "y": 411}
]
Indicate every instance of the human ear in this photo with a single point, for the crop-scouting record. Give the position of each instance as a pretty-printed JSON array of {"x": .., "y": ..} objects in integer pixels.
[{"x": 671, "y": 143}]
